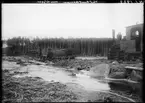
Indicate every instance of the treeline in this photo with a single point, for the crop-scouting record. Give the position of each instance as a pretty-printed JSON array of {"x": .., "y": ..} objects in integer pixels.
[{"x": 85, "y": 46}]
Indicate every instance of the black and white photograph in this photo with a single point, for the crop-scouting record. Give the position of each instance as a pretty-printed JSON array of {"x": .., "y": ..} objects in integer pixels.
[{"x": 72, "y": 52}]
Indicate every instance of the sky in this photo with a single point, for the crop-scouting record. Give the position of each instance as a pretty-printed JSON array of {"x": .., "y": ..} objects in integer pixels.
[{"x": 68, "y": 20}]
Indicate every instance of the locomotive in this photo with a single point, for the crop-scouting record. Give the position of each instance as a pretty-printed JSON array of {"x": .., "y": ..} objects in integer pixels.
[{"x": 130, "y": 47}]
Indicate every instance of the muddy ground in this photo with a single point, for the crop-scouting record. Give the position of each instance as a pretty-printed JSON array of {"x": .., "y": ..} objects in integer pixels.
[{"x": 27, "y": 80}]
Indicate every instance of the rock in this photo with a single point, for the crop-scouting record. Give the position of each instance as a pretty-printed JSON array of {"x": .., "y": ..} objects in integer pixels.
[
  {"x": 115, "y": 62},
  {"x": 73, "y": 74},
  {"x": 37, "y": 64},
  {"x": 79, "y": 68},
  {"x": 138, "y": 60},
  {"x": 117, "y": 68},
  {"x": 108, "y": 99},
  {"x": 117, "y": 75},
  {"x": 88, "y": 68},
  {"x": 135, "y": 77},
  {"x": 18, "y": 62}
]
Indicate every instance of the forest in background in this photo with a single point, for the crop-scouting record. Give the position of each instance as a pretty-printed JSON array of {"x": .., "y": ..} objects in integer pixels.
[{"x": 85, "y": 46}]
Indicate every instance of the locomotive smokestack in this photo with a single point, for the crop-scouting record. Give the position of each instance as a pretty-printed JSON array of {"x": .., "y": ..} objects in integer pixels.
[{"x": 113, "y": 34}]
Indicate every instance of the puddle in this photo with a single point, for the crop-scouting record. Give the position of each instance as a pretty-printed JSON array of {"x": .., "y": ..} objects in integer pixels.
[
  {"x": 50, "y": 73},
  {"x": 91, "y": 83}
]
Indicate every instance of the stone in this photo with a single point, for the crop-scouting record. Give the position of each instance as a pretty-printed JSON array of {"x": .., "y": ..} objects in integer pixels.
[
  {"x": 79, "y": 68},
  {"x": 108, "y": 99},
  {"x": 115, "y": 62},
  {"x": 117, "y": 68},
  {"x": 117, "y": 75},
  {"x": 88, "y": 68},
  {"x": 73, "y": 74},
  {"x": 135, "y": 77}
]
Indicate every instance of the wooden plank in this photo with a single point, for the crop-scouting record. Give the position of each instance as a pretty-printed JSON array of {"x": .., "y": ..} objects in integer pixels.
[
  {"x": 120, "y": 80},
  {"x": 134, "y": 68}
]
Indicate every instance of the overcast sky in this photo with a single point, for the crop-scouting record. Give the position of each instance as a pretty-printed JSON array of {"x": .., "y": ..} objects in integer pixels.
[{"x": 68, "y": 20}]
